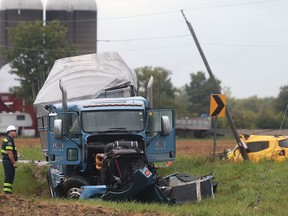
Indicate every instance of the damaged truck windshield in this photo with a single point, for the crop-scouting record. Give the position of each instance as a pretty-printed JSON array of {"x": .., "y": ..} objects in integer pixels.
[{"x": 128, "y": 120}]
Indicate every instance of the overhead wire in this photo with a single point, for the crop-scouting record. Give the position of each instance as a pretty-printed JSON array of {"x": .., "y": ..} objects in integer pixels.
[
  {"x": 193, "y": 8},
  {"x": 233, "y": 4},
  {"x": 149, "y": 38},
  {"x": 167, "y": 37},
  {"x": 36, "y": 49},
  {"x": 158, "y": 47},
  {"x": 270, "y": 162},
  {"x": 154, "y": 13},
  {"x": 259, "y": 194}
]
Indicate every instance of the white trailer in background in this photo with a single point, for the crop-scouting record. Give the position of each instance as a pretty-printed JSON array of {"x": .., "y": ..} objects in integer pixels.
[{"x": 21, "y": 120}]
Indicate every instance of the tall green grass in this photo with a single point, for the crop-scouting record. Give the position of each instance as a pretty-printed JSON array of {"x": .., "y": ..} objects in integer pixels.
[
  {"x": 238, "y": 187},
  {"x": 34, "y": 153},
  {"x": 30, "y": 179}
]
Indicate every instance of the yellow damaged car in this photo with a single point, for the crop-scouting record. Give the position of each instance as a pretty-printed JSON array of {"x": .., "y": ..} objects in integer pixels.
[{"x": 260, "y": 147}]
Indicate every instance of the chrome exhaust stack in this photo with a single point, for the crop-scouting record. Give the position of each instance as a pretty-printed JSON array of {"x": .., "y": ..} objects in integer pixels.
[
  {"x": 64, "y": 96},
  {"x": 150, "y": 92}
]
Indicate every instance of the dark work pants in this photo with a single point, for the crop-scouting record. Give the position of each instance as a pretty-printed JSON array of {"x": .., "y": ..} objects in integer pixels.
[{"x": 9, "y": 172}]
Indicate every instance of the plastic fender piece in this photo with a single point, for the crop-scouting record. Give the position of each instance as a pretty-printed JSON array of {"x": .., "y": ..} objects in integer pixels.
[{"x": 92, "y": 191}]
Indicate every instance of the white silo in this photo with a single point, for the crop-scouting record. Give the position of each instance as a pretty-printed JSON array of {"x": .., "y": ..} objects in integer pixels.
[
  {"x": 13, "y": 12},
  {"x": 81, "y": 19}
]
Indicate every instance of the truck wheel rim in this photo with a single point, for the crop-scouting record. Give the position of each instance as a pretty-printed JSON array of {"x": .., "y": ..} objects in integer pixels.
[{"x": 74, "y": 193}]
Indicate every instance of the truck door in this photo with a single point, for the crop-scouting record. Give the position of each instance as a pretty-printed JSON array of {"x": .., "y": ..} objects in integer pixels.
[
  {"x": 160, "y": 133},
  {"x": 64, "y": 139}
]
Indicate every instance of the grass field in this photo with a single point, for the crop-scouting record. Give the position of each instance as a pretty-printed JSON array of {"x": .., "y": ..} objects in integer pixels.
[{"x": 237, "y": 193}]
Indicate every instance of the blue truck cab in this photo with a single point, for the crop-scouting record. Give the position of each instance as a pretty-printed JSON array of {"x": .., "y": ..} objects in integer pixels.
[{"x": 89, "y": 128}]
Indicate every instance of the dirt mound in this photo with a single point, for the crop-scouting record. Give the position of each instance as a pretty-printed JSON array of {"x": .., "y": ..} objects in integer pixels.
[{"x": 13, "y": 205}]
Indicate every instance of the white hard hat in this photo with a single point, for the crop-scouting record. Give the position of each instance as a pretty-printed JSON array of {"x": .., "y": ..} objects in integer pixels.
[{"x": 11, "y": 128}]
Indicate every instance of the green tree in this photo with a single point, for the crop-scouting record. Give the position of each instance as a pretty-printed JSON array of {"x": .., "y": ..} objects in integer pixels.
[
  {"x": 163, "y": 90},
  {"x": 254, "y": 113},
  {"x": 181, "y": 99},
  {"x": 35, "y": 48},
  {"x": 199, "y": 91},
  {"x": 267, "y": 119},
  {"x": 281, "y": 101}
]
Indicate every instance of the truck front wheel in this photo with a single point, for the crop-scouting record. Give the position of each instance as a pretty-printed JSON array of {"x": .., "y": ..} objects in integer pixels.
[{"x": 71, "y": 187}]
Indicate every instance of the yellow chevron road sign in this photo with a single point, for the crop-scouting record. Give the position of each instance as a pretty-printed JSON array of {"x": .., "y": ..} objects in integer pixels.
[{"x": 217, "y": 105}]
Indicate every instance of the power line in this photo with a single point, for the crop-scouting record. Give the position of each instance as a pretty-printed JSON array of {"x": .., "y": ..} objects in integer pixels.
[
  {"x": 158, "y": 47},
  {"x": 62, "y": 21},
  {"x": 150, "y": 38},
  {"x": 246, "y": 45},
  {"x": 193, "y": 8},
  {"x": 232, "y": 4},
  {"x": 153, "y": 13},
  {"x": 204, "y": 44},
  {"x": 36, "y": 49},
  {"x": 268, "y": 168},
  {"x": 191, "y": 44}
]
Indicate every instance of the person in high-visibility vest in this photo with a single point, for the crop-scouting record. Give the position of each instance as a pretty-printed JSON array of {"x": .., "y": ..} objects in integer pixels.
[{"x": 9, "y": 158}]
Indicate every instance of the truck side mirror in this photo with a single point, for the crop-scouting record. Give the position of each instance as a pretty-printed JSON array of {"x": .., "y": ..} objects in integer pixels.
[
  {"x": 58, "y": 128},
  {"x": 165, "y": 125}
]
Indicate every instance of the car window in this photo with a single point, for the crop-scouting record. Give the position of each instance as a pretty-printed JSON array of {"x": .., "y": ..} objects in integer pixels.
[
  {"x": 257, "y": 146},
  {"x": 283, "y": 143}
]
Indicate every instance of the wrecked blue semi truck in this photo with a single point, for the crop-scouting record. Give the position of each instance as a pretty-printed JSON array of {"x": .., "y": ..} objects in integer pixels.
[{"x": 101, "y": 140}]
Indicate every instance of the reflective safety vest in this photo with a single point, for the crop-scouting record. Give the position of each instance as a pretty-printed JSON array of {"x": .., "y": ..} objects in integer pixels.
[{"x": 8, "y": 145}]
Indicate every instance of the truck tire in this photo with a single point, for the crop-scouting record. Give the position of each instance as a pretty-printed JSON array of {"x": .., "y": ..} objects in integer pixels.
[
  {"x": 197, "y": 134},
  {"x": 204, "y": 134},
  {"x": 200, "y": 134},
  {"x": 71, "y": 186}
]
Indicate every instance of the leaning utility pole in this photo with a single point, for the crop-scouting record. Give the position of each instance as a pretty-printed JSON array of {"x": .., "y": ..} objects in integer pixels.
[{"x": 229, "y": 118}]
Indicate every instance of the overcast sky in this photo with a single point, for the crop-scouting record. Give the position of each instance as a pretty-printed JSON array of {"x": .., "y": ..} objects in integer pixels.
[{"x": 245, "y": 41}]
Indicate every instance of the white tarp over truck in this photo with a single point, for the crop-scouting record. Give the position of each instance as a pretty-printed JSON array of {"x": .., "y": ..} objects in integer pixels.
[{"x": 84, "y": 77}]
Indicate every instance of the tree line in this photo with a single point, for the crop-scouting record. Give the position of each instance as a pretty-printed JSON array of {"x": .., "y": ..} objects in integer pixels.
[
  {"x": 35, "y": 48},
  {"x": 193, "y": 99}
]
